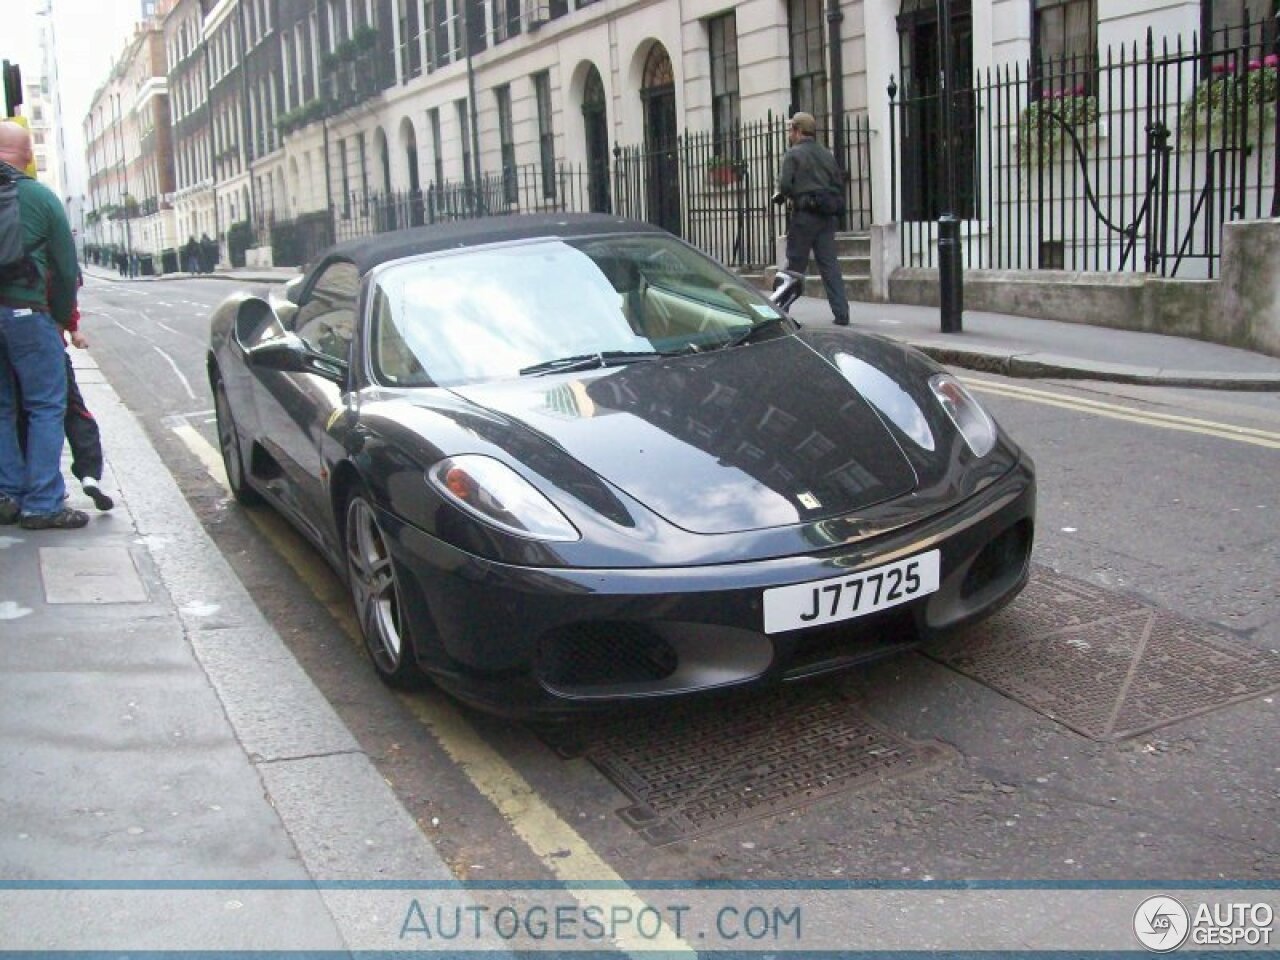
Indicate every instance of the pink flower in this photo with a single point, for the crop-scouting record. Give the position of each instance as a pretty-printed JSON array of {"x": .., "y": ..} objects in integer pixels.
[
  {"x": 1078, "y": 90},
  {"x": 1271, "y": 60},
  {"x": 1255, "y": 65}
]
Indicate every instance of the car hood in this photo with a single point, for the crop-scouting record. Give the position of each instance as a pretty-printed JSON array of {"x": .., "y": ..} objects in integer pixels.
[{"x": 747, "y": 438}]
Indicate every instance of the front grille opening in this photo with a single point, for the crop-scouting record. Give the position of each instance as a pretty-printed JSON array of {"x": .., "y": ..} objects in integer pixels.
[
  {"x": 604, "y": 654},
  {"x": 854, "y": 641},
  {"x": 1001, "y": 561}
]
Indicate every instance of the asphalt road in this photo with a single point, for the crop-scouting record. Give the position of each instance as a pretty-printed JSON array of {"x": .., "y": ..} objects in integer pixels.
[{"x": 1158, "y": 531}]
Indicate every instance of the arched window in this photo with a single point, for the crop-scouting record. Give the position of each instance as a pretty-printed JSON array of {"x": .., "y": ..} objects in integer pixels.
[
  {"x": 596, "y": 126},
  {"x": 658, "y": 74}
]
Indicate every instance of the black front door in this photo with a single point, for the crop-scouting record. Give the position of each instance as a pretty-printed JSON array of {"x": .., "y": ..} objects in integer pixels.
[
  {"x": 596, "y": 124},
  {"x": 921, "y": 119},
  {"x": 661, "y": 141},
  {"x": 416, "y": 213}
]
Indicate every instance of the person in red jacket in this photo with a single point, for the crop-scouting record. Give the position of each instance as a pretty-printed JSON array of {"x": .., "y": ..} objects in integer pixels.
[{"x": 83, "y": 435}]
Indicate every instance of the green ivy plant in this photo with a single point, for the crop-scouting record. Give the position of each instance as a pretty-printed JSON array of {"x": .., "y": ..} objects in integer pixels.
[
  {"x": 1039, "y": 132},
  {"x": 1228, "y": 93}
]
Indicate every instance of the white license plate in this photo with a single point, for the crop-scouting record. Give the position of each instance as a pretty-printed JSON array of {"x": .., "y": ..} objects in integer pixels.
[{"x": 853, "y": 595}]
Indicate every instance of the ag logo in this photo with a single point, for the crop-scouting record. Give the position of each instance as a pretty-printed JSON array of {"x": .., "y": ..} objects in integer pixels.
[{"x": 1161, "y": 924}]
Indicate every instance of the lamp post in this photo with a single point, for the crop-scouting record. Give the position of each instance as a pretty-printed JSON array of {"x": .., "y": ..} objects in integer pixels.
[
  {"x": 124, "y": 185},
  {"x": 471, "y": 103},
  {"x": 834, "y": 19},
  {"x": 950, "y": 279},
  {"x": 1275, "y": 144},
  {"x": 92, "y": 156}
]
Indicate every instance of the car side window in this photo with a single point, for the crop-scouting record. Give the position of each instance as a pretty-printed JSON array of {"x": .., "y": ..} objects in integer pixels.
[{"x": 326, "y": 317}]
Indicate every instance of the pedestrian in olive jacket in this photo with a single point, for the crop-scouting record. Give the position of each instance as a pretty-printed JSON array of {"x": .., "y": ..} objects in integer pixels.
[{"x": 813, "y": 182}]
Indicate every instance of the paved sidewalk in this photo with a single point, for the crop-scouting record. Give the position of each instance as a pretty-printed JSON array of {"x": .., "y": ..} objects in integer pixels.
[
  {"x": 1000, "y": 343},
  {"x": 154, "y": 730}
]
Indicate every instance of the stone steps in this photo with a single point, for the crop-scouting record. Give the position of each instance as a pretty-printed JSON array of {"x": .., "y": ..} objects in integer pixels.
[{"x": 854, "y": 253}]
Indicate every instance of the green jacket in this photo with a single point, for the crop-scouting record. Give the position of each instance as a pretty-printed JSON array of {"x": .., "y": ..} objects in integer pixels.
[{"x": 44, "y": 220}]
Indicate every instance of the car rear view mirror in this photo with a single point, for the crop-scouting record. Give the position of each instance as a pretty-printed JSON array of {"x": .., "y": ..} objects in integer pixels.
[{"x": 291, "y": 354}]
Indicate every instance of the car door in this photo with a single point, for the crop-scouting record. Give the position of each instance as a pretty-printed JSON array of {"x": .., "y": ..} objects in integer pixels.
[{"x": 295, "y": 409}]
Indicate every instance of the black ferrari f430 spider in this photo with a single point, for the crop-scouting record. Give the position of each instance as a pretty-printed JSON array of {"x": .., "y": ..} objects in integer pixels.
[{"x": 568, "y": 461}]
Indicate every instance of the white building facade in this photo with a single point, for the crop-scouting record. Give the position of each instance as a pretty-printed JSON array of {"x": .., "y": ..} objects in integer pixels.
[{"x": 289, "y": 109}]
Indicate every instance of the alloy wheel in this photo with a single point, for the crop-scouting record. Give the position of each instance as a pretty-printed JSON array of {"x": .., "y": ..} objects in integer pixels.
[
  {"x": 374, "y": 589},
  {"x": 229, "y": 444}
]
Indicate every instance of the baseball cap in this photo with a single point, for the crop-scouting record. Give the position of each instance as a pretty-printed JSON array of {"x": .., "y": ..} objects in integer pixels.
[{"x": 804, "y": 123}]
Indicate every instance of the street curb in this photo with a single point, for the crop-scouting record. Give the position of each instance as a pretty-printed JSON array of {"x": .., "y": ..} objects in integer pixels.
[
  {"x": 1048, "y": 366},
  {"x": 292, "y": 736},
  {"x": 111, "y": 277}
]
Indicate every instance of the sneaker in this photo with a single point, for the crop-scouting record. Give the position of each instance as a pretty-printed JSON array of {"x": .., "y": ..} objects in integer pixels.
[
  {"x": 95, "y": 493},
  {"x": 841, "y": 321},
  {"x": 9, "y": 510},
  {"x": 64, "y": 519}
]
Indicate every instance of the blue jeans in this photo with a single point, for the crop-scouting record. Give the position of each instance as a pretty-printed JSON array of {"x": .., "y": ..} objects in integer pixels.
[{"x": 32, "y": 355}]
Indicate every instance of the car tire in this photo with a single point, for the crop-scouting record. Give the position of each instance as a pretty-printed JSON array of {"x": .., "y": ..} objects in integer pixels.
[
  {"x": 229, "y": 444},
  {"x": 379, "y": 605}
]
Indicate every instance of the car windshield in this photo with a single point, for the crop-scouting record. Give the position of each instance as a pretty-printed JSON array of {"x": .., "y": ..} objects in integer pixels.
[{"x": 553, "y": 306}]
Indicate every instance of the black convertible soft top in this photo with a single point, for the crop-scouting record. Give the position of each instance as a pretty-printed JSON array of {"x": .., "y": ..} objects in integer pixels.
[{"x": 367, "y": 252}]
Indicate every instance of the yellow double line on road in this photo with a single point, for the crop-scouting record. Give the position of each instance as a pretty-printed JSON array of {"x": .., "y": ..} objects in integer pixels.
[
  {"x": 534, "y": 821},
  {"x": 1165, "y": 421}
]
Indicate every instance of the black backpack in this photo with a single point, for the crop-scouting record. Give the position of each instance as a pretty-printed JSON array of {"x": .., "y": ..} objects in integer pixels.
[{"x": 16, "y": 265}]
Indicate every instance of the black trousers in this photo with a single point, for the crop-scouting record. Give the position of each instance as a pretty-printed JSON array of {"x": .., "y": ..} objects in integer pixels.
[
  {"x": 83, "y": 434},
  {"x": 813, "y": 232}
]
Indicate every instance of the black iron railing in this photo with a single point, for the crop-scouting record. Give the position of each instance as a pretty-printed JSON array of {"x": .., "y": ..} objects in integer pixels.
[
  {"x": 713, "y": 193},
  {"x": 1128, "y": 162}
]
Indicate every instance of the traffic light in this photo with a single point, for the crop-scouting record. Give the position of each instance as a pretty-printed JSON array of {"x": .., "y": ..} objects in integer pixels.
[{"x": 12, "y": 77}]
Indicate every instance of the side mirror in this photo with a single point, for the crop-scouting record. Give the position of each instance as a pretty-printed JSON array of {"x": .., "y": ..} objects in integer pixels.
[
  {"x": 293, "y": 288},
  {"x": 291, "y": 354}
]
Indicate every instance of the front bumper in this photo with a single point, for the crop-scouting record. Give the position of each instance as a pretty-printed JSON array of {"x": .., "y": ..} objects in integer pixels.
[{"x": 524, "y": 640}]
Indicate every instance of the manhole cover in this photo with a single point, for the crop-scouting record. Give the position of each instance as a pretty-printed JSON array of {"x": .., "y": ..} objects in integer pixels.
[
  {"x": 695, "y": 768},
  {"x": 1106, "y": 665}
]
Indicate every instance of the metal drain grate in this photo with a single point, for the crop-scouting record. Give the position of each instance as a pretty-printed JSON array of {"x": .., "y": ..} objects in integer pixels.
[
  {"x": 694, "y": 769},
  {"x": 1104, "y": 664}
]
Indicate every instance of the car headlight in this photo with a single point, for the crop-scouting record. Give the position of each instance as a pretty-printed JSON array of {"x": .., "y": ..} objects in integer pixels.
[
  {"x": 974, "y": 424},
  {"x": 494, "y": 493}
]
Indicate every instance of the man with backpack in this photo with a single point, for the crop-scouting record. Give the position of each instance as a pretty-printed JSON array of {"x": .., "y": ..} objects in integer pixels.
[
  {"x": 38, "y": 275},
  {"x": 811, "y": 179}
]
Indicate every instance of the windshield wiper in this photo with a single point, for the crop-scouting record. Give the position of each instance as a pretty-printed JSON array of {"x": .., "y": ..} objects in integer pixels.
[
  {"x": 588, "y": 361},
  {"x": 750, "y": 333}
]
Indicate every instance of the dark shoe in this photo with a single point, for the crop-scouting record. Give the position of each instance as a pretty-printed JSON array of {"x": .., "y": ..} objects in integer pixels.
[
  {"x": 99, "y": 498},
  {"x": 9, "y": 510},
  {"x": 841, "y": 321},
  {"x": 64, "y": 519}
]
